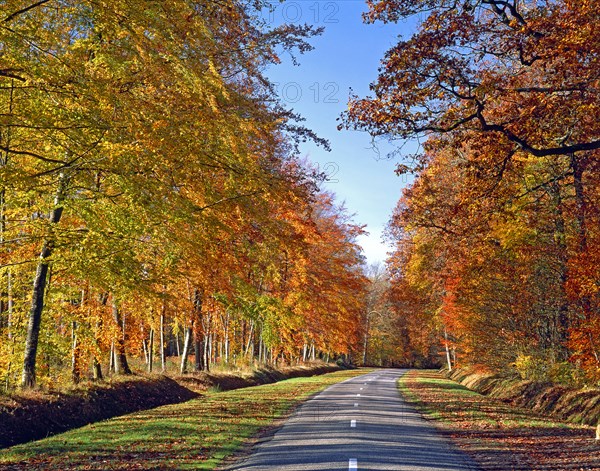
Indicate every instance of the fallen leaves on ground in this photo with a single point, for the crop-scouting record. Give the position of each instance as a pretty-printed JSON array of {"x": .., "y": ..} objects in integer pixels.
[{"x": 498, "y": 436}]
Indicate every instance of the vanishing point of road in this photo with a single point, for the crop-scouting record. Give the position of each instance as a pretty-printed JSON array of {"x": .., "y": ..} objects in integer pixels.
[{"x": 357, "y": 425}]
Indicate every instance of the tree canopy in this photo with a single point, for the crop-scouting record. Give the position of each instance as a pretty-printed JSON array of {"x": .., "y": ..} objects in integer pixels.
[
  {"x": 150, "y": 183},
  {"x": 495, "y": 259}
]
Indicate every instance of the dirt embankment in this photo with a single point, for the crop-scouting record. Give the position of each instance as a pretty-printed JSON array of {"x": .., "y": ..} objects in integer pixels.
[
  {"x": 33, "y": 416},
  {"x": 575, "y": 405},
  {"x": 229, "y": 381}
]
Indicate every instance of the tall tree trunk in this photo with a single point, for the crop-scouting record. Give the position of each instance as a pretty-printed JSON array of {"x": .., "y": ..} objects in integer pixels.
[
  {"x": 206, "y": 355},
  {"x": 96, "y": 369},
  {"x": 111, "y": 358},
  {"x": 145, "y": 350},
  {"x": 163, "y": 362},
  {"x": 189, "y": 332},
  {"x": 578, "y": 168},
  {"x": 151, "y": 351},
  {"x": 198, "y": 353},
  {"x": 144, "y": 346},
  {"x": 39, "y": 286},
  {"x": 250, "y": 344},
  {"x": 366, "y": 340},
  {"x": 75, "y": 372},
  {"x": 96, "y": 365},
  {"x": 448, "y": 358},
  {"x": 225, "y": 344},
  {"x": 121, "y": 365}
]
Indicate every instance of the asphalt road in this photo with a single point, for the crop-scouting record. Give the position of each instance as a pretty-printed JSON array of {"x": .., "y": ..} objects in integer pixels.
[{"x": 359, "y": 424}]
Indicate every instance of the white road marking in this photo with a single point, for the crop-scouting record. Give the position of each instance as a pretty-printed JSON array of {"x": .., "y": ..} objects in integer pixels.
[
  {"x": 352, "y": 464},
  {"x": 358, "y": 395},
  {"x": 356, "y": 404},
  {"x": 361, "y": 389},
  {"x": 353, "y": 423}
]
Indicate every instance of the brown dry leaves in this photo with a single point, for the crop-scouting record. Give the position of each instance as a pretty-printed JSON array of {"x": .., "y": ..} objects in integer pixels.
[{"x": 500, "y": 437}]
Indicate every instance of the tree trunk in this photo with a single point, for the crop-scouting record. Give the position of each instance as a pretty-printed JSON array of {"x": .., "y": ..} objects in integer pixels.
[
  {"x": 111, "y": 358},
  {"x": 580, "y": 204},
  {"x": 206, "y": 354},
  {"x": 121, "y": 365},
  {"x": 186, "y": 349},
  {"x": 96, "y": 369},
  {"x": 75, "y": 372},
  {"x": 227, "y": 347},
  {"x": 145, "y": 348},
  {"x": 163, "y": 362},
  {"x": 250, "y": 343},
  {"x": 96, "y": 365},
  {"x": 448, "y": 358},
  {"x": 198, "y": 353},
  {"x": 151, "y": 351},
  {"x": 39, "y": 286}
]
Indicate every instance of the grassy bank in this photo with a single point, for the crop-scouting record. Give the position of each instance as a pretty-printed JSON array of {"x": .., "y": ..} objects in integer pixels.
[
  {"x": 580, "y": 405},
  {"x": 498, "y": 435},
  {"x": 198, "y": 434},
  {"x": 31, "y": 415}
]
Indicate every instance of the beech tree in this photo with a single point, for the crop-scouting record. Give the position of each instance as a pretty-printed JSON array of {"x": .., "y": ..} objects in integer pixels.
[
  {"x": 495, "y": 231},
  {"x": 149, "y": 182}
]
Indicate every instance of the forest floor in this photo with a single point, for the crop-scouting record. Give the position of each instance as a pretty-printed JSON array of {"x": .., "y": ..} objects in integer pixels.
[
  {"x": 499, "y": 436},
  {"x": 198, "y": 434}
]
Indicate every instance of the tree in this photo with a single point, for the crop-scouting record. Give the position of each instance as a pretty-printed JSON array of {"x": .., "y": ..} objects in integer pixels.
[
  {"x": 134, "y": 138},
  {"x": 503, "y": 92},
  {"x": 507, "y": 68}
]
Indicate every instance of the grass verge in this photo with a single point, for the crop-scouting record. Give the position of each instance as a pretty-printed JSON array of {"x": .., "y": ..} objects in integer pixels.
[
  {"x": 31, "y": 415},
  {"x": 198, "y": 434},
  {"x": 497, "y": 435}
]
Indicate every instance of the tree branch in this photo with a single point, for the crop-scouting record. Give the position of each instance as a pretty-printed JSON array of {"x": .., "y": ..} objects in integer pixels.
[
  {"x": 25, "y": 10},
  {"x": 31, "y": 154}
]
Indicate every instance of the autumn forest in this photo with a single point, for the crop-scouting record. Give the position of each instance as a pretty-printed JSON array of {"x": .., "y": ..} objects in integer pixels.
[
  {"x": 496, "y": 243},
  {"x": 156, "y": 211}
]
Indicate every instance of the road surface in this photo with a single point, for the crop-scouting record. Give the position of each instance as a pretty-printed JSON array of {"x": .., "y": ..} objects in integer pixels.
[{"x": 357, "y": 425}]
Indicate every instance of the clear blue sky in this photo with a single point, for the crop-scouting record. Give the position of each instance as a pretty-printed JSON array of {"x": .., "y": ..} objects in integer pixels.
[{"x": 347, "y": 55}]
